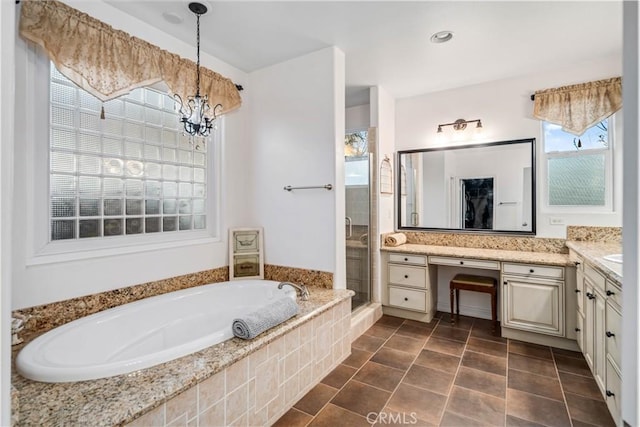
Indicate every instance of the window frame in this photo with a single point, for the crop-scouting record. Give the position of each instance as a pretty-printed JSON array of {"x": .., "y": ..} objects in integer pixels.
[
  {"x": 40, "y": 248},
  {"x": 608, "y": 207}
]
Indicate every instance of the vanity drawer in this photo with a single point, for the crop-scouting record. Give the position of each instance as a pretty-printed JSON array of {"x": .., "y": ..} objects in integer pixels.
[
  {"x": 407, "y": 276},
  {"x": 613, "y": 334},
  {"x": 595, "y": 277},
  {"x": 408, "y": 259},
  {"x": 465, "y": 262},
  {"x": 533, "y": 270},
  {"x": 614, "y": 294},
  {"x": 408, "y": 299}
]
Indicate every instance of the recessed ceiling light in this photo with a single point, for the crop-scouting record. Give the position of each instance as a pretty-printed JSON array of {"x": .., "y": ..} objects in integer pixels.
[
  {"x": 172, "y": 18},
  {"x": 441, "y": 36}
]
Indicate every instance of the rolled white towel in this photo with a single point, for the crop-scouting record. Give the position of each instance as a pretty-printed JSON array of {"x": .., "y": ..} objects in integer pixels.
[
  {"x": 395, "y": 239},
  {"x": 255, "y": 323}
]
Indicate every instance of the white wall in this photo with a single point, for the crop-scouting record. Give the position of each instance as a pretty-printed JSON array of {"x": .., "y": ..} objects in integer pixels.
[
  {"x": 39, "y": 284},
  {"x": 506, "y": 112},
  {"x": 7, "y": 85},
  {"x": 383, "y": 112},
  {"x": 296, "y": 133},
  {"x": 357, "y": 118}
]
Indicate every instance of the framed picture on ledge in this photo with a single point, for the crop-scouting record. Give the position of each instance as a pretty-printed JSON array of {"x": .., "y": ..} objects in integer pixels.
[{"x": 246, "y": 258}]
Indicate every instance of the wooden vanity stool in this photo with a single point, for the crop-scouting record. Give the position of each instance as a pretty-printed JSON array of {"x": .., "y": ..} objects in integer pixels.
[{"x": 468, "y": 282}]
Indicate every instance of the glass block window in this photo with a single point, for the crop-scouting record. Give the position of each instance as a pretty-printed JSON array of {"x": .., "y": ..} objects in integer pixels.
[
  {"x": 131, "y": 173},
  {"x": 578, "y": 167}
]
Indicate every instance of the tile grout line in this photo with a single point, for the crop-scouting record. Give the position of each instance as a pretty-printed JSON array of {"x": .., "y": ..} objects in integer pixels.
[{"x": 564, "y": 396}]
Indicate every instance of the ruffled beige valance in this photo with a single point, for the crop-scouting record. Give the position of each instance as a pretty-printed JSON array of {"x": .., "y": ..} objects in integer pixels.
[
  {"x": 109, "y": 63},
  {"x": 578, "y": 107}
]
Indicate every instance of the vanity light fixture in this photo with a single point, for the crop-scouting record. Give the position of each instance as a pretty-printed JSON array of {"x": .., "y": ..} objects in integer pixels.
[
  {"x": 196, "y": 115},
  {"x": 461, "y": 124}
]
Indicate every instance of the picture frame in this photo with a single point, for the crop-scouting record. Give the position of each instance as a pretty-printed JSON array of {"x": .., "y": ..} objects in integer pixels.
[
  {"x": 246, "y": 253},
  {"x": 386, "y": 176}
]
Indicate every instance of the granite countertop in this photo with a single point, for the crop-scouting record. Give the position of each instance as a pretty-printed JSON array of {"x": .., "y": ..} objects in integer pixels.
[
  {"x": 593, "y": 252},
  {"x": 544, "y": 258},
  {"x": 120, "y": 399}
]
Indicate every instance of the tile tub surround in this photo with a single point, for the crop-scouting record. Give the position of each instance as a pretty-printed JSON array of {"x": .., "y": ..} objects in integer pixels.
[
  {"x": 594, "y": 234},
  {"x": 593, "y": 252},
  {"x": 45, "y": 317},
  {"x": 262, "y": 377}
]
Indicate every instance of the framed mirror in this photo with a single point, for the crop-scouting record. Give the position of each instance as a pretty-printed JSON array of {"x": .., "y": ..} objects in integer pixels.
[{"x": 480, "y": 188}]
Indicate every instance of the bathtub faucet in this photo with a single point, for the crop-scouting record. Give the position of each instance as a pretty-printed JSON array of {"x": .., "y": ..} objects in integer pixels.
[{"x": 304, "y": 292}]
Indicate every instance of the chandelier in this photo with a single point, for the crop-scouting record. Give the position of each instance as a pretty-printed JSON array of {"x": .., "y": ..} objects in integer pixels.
[{"x": 196, "y": 115}]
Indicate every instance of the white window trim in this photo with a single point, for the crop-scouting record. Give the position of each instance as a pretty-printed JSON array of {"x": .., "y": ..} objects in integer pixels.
[
  {"x": 40, "y": 250},
  {"x": 609, "y": 189}
]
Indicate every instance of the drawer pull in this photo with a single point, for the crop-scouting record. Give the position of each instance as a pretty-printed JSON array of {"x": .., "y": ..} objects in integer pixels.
[
  {"x": 577, "y": 263},
  {"x": 505, "y": 283},
  {"x": 609, "y": 293},
  {"x": 577, "y": 329},
  {"x": 609, "y": 393},
  {"x": 406, "y": 299},
  {"x": 406, "y": 276},
  {"x": 577, "y": 291},
  {"x": 609, "y": 334},
  {"x": 406, "y": 259},
  {"x": 531, "y": 270},
  {"x": 590, "y": 295},
  {"x": 461, "y": 262}
]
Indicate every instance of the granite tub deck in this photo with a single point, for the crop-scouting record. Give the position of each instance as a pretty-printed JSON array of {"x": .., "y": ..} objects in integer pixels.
[
  {"x": 122, "y": 399},
  {"x": 593, "y": 252},
  {"x": 543, "y": 258}
]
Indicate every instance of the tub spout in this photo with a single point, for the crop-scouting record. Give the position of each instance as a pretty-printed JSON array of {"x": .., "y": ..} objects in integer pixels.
[{"x": 304, "y": 292}]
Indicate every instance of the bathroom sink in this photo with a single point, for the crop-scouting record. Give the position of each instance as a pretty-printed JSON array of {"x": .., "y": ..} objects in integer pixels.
[{"x": 613, "y": 258}]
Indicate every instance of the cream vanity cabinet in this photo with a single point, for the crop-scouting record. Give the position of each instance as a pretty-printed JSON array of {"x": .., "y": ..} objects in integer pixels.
[
  {"x": 533, "y": 298},
  {"x": 408, "y": 292}
]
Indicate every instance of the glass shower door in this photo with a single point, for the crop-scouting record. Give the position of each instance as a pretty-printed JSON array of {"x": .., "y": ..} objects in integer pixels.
[{"x": 357, "y": 188}]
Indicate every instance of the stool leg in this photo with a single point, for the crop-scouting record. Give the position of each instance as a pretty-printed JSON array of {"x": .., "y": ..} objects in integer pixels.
[
  {"x": 458, "y": 302},
  {"x": 451, "y": 291}
]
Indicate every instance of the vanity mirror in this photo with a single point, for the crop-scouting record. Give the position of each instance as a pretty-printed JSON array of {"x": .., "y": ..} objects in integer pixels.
[{"x": 485, "y": 188}]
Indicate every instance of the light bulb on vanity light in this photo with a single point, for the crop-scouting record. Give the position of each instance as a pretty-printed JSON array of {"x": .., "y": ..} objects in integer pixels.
[{"x": 479, "y": 129}]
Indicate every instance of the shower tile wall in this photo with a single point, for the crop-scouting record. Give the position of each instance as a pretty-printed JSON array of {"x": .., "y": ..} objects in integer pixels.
[{"x": 357, "y": 207}]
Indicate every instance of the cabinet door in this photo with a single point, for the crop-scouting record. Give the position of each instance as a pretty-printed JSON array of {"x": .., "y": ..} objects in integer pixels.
[
  {"x": 534, "y": 305},
  {"x": 589, "y": 315},
  {"x": 580, "y": 332},
  {"x": 599, "y": 350},
  {"x": 580, "y": 291},
  {"x": 613, "y": 392}
]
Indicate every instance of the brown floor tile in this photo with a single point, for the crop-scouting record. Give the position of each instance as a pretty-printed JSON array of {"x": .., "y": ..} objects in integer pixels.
[
  {"x": 455, "y": 334},
  {"x": 339, "y": 376},
  {"x": 380, "y": 376},
  {"x": 485, "y": 362},
  {"x": 484, "y": 382},
  {"x": 293, "y": 418},
  {"x": 380, "y": 331},
  {"x": 394, "y": 358},
  {"x": 518, "y": 422},
  {"x": 589, "y": 410},
  {"x": 535, "y": 384},
  {"x": 413, "y": 331},
  {"x": 462, "y": 322},
  {"x": 406, "y": 344},
  {"x": 429, "y": 379},
  {"x": 537, "y": 409},
  {"x": 317, "y": 397},
  {"x": 333, "y": 415},
  {"x": 530, "y": 350},
  {"x": 487, "y": 347},
  {"x": 427, "y": 405},
  {"x": 455, "y": 420},
  {"x": 567, "y": 353},
  {"x": 578, "y": 423},
  {"x": 479, "y": 406},
  {"x": 368, "y": 343},
  {"x": 439, "y": 361},
  {"x": 483, "y": 329},
  {"x": 454, "y": 348},
  {"x": 573, "y": 365},
  {"x": 533, "y": 365},
  {"x": 389, "y": 321},
  {"x": 419, "y": 324},
  {"x": 388, "y": 417},
  {"x": 357, "y": 358},
  {"x": 361, "y": 398},
  {"x": 577, "y": 384}
]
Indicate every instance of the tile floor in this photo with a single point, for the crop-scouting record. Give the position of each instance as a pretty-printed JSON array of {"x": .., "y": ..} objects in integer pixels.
[{"x": 419, "y": 374}]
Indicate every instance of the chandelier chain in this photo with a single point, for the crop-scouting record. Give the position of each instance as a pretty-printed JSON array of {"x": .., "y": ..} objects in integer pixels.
[{"x": 198, "y": 54}]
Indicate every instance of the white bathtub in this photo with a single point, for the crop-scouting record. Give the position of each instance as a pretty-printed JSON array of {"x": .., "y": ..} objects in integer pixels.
[{"x": 144, "y": 333}]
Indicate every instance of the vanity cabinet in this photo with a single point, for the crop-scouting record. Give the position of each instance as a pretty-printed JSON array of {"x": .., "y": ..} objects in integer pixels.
[
  {"x": 408, "y": 292},
  {"x": 533, "y": 298},
  {"x": 613, "y": 337}
]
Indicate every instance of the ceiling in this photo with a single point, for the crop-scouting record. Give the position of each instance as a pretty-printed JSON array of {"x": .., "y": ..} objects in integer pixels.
[{"x": 387, "y": 43}]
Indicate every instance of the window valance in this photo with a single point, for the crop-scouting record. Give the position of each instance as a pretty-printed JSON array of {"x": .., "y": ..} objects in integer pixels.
[
  {"x": 109, "y": 63},
  {"x": 578, "y": 107}
]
